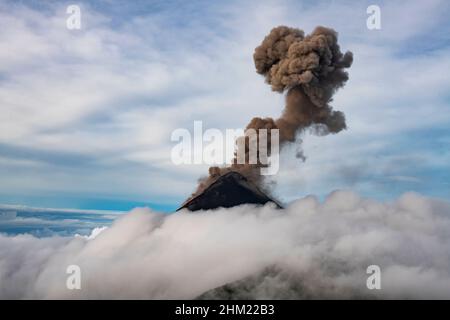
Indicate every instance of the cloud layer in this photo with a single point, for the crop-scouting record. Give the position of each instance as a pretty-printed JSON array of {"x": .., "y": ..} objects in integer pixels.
[{"x": 323, "y": 248}]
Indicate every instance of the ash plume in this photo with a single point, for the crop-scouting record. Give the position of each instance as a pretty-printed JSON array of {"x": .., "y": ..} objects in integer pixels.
[{"x": 309, "y": 69}]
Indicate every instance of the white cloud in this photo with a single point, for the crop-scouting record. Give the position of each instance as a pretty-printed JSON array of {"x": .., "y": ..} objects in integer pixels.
[
  {"x": 94, "y": 233},
  {"x": 114, "y": 94},
  {"x": 322, "y": 249}
]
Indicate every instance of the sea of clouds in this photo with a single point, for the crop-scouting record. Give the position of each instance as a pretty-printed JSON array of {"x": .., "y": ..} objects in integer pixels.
[{"x": 315, "y": 249}]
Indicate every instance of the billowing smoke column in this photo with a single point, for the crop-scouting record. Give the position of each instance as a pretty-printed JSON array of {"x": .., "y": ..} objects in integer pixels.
[{"x": 310, "y": 68}]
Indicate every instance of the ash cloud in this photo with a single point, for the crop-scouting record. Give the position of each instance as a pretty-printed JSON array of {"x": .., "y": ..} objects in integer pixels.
[
  {"x": 311, "y": 249},
  {"x": 310, "y": 69}
]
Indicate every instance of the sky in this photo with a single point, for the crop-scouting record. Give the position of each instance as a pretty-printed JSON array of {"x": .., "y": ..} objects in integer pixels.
[
  {"x": 48, "y": 222},
  {"x": 86, "y": 115}
]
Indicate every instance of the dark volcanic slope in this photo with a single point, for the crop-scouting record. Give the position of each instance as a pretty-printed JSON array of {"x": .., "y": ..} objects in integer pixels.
[
  {"x": 274, "y": 283},
  {"x": 271, "y": 283},
  {"x": 229, "y": 190}
]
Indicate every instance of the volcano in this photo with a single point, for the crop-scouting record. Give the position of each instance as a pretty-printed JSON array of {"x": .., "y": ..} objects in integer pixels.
[{"x": 229, "y": 190}]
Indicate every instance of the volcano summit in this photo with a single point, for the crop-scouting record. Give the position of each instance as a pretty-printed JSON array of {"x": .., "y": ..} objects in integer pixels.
[{"x": 229, "y": 190}]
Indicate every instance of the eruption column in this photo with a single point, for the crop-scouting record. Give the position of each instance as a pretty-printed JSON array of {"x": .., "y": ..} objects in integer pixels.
[{"x": 309, "y": 69}]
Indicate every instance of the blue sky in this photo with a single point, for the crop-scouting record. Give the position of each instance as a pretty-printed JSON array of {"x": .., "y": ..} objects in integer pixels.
[
  {"x": 46, "y": 222},
  {"x": 86, "y": 115}
]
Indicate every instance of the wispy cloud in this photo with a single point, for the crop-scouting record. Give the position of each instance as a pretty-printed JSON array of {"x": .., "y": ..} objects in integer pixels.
[{"x": 91, "y": 111}]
